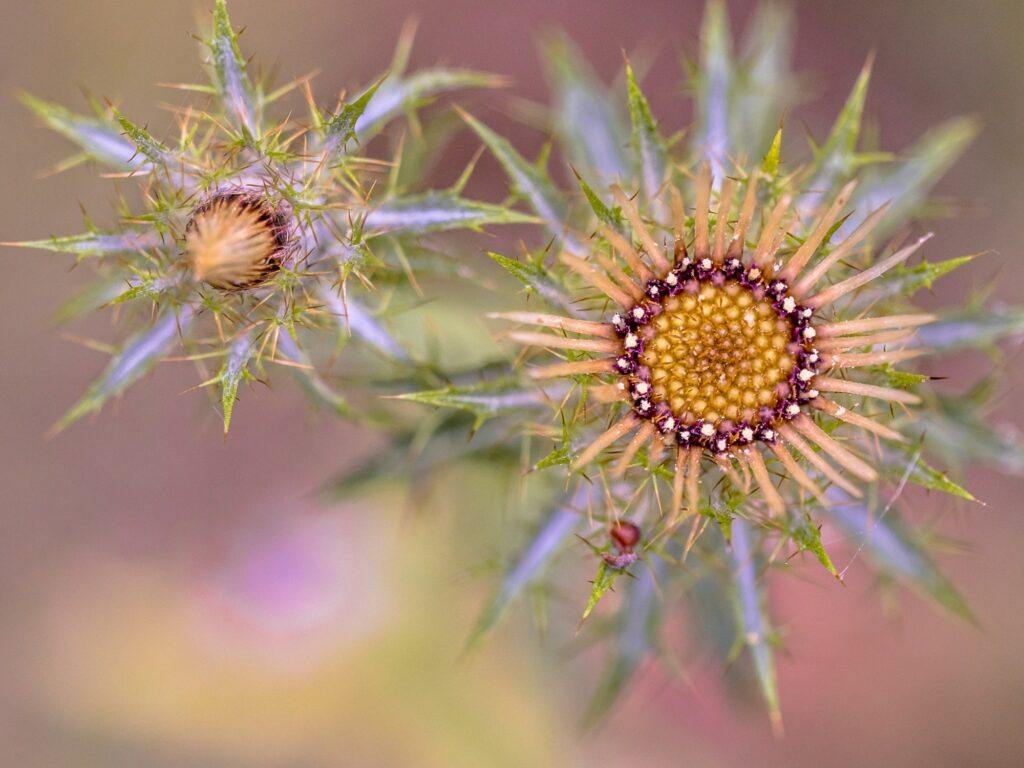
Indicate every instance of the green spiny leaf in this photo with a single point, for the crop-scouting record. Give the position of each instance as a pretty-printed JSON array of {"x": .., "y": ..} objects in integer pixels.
[
  {"x": 835, "y": 160},
  {"x": 894, "y": 377},
  {"x": 603, "y": 582},
  {"x": 95, "y": 243},
  {"x": 637, "y": 623},
  {"x": 588, "y": 121},
  {"x": 754, "y": 629},
  {"x": 907, "y": 280},
  {"x": 397, "y": 95},
  {"x": 770, "y": 163},
  {"x": 529, "y": 564},
  {"x": 908, "y": 183},
  {"x": 536, "y": 279},
  {"x": 975, "y": 327},
  {"x": 150, "y": 147},
  {"x": 717, "y": 72},
  {"x": 147, "y": 286},
  {"x": 437, "y": 211},
  {"x": 648, "y": 145},
  {"x": 484, "y": 401},
  {"x": 232, "y": 373},
  {"x": 929, "y": 477},
  {"x": 524, "y": 272},
  {"x": 885, "y": 540},
  {"x": 100, "y": 141},
  {"x": 559, "y": 456},
  {"x": 230, "y": 76},
  {"x": 724, "y": 520},
  {"x": 340, "y": 128},
  {"x": 529, "y": 181},
  {"x": 808, "y": 536},
  {"x": 127, "y": 366},
  {"x": 612, "y": 216}
]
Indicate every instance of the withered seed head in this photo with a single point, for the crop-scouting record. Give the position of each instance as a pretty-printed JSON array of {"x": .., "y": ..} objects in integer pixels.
[{"x": 236, "y": 240}]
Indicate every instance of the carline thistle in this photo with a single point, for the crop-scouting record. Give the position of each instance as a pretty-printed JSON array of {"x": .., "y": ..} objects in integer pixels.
[
  {"x": 724, "y": 350},
  {"x": 736, "y": 338},
  {"x": 252, "y": 221}
]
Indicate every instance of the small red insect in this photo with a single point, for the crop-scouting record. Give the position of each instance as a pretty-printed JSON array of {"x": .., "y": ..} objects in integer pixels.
[{"x": 625, "y": 536}]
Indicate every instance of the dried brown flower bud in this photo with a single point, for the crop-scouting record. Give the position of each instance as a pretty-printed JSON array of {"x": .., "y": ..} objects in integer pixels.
[{"x": 236, "y": 240}]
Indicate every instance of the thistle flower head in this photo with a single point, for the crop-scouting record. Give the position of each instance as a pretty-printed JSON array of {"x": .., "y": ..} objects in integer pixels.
[
  {"x": 719, "y": 344},
  {"x": 248, "y": 225},
  {"x": 733, "y": 334}
]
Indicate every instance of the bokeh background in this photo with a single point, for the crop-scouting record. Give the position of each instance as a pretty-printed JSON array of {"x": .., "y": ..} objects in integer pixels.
[{"x": 171, "y": 599}]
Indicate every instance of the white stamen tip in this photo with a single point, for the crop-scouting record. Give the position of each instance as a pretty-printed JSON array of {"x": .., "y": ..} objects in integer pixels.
[
  {"x": 747, "y": 433},
  {"x": 638, "y": 313},
  {"x": 631, "y": 341},
  {"x": 769, "y": 434},
  {"x": 707, "y": 430},
  {"x": 642, "y": 387},
  {"x": 840, "y": 410},
  {"x": 805, "y": 374},
  {"x": 810, "y": 333},
  {"x": 793, "y": 409},
  {"x": 705, "y": 263},
  {"x": 789, "y": 304}
]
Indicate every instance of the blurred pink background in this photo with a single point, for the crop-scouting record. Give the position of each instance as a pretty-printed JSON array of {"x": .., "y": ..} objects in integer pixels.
[{"x": 167, "y": 598}]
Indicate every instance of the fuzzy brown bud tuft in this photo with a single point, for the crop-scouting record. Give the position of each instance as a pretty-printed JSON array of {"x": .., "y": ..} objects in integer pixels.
[{"x": 236, "y": 240}]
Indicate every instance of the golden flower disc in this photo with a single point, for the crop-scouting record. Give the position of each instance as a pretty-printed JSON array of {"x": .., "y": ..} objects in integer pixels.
[{"x": 719, "y": 353}]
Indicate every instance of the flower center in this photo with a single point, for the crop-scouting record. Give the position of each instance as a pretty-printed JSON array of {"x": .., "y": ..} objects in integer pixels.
[{"x": 720, "y": 353}]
